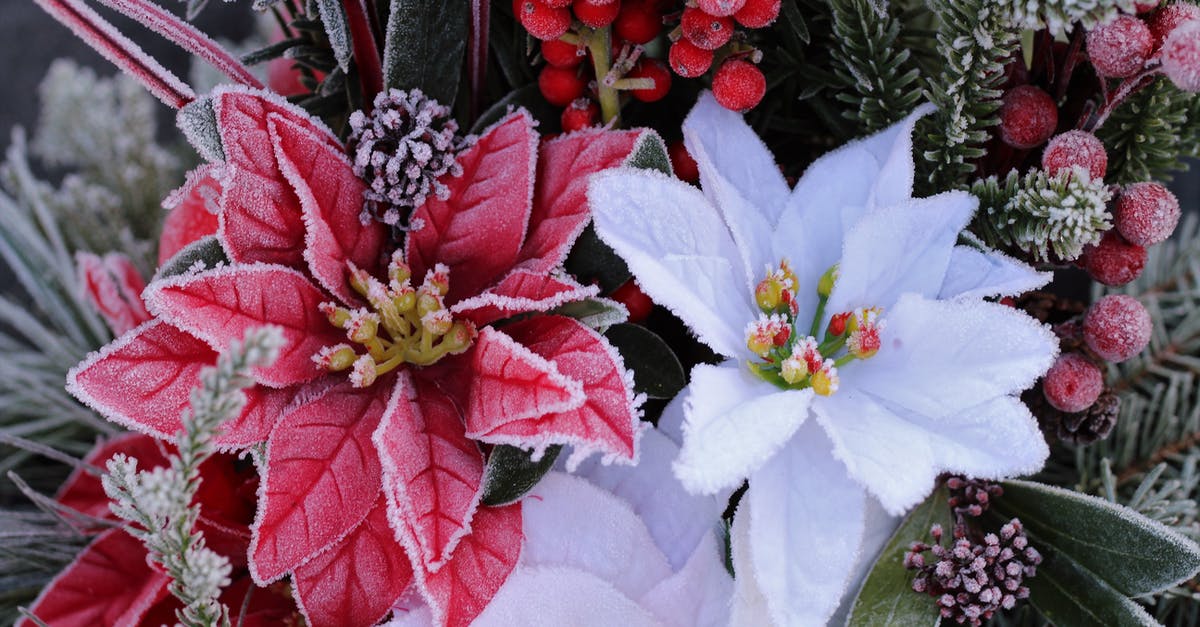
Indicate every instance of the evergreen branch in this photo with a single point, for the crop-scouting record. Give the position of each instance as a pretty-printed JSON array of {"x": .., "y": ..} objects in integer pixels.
[
  {"x": 1060, "y": 16},
  {"x": 879, "y": 82},
  {"x": 1150, "y": 134},
  {"x": 159, "y": 501}
]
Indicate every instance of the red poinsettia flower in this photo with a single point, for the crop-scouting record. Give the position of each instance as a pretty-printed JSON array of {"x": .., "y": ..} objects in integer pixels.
[
  {"x": 401, "y": 366},
  {"x": 112, "y": 582}
]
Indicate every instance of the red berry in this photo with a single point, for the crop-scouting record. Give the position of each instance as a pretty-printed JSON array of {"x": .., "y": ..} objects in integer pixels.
[
  {"x": 1114, "y": 261},
  {"x": 560, "y": 85},
  {"x": 685, "y": 166},
  {"x": 1181, "y": 56},
  {"x": 1073, "y": 383},
  {"x": 634, "y": 299},
  {"x": 1075, "y": 148},
  {"x": 704, "y": 30},
  {"x": 543, "y": 22},
  {"x": 1028, "y": 117},
  {"x": 1146, "y": 213},
  {"x": 1120, "y": 48},
  {"x": 559, "y": 53},
  {"x": 580, "y": 114},
  {"x": 638, "y": 22},
  {"x": 652, "y": 69},
  {"x": 1169, "y": 18},
  {"x": 739, "y": 85},
  {"x": 1117, "y": 327},
  {"x": 688, "y": 60},
  {"x": 556, "y": 4},
  {"x": 596, "y": 14},
  {"x": 720, "y": 8},
  {"x": 758, "y": 13}
]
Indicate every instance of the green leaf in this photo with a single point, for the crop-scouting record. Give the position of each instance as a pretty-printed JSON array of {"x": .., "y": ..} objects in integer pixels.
[
  {"x": 337, "y": 30},
  {"x": 886, "y": 597},
  {"x": 198, "y": 121},
  {"x": 1130, "y": 552},
  {"x": 511, "y": 472},
  {"x": 650, "y": 153},
  {"x": 592, "y": 259},
  {"x": 657, "y": 372},
  {"x": 424, "y": 47},
  {"x": 598, "y": 313},
  {"x": 1068, "y": 594},
  {"x": 206, "y": 251}
]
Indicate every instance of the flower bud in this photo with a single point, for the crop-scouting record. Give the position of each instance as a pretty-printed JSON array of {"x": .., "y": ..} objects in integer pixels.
[{"x": 827, "y": 281}]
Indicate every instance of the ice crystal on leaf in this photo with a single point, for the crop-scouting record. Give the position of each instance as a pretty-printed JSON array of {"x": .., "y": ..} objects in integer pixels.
[
  {"x": 392, "y": 373},
  {"x": 933, "y": 391}
]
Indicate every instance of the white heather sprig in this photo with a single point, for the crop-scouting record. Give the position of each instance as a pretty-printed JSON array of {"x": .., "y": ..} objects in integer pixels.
[{"x": 159, "y": 501}]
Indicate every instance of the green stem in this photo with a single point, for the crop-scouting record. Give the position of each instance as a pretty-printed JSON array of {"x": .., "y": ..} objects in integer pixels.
[{"x": 599, "y": 43}]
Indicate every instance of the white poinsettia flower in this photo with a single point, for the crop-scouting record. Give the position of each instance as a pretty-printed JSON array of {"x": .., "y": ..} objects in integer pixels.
[
  {"x": 612, "y": 545},
  {"x": 861, "y": 358}
]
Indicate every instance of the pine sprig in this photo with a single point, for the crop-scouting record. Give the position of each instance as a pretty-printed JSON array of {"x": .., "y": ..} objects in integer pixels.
[
  {"x": 1148, "y": 136},
  {"x": 975, "y": 39},
  {"x": 159, "y": 501},
  {"x": 1059, "y": 16},
  {"x": 880, "y": 83}
]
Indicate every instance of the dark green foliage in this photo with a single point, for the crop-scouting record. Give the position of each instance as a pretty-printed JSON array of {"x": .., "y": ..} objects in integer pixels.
[
  {"x": 878, "y": 76},
  {"x": 1148, "y": 136}
]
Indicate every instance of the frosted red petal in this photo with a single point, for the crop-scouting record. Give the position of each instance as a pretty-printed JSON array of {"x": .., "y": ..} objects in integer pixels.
[
  {"x": 264, "y": 407},
  {"x": 113, "y": 285},
  {"x": 478, "y": 230},
  {"x": 608, "y": 419},
  {"x": 142, "y": 380},
  {"x": 358, "y": 579},
  {"x": 519, "y": 292},
  {"x": 83, "y": 492},
  {"x": 463, "y": 587},
  {"x": 110, "y": 583},
  {"x": 431, "y": 469},
  {"x": 560, "y": 205},
  {"x": 331, "y": 197},
  {"x": 321, "y": 479},
  {"x": 193, "y": 211},
  {"x": 220, "y": 305}
]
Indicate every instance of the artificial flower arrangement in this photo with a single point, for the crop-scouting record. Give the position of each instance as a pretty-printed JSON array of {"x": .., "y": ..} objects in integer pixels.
[{"x": 720, "y": 312}]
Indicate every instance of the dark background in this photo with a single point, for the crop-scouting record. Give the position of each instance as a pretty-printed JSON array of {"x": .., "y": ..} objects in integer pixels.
[{"x": 30, "y": 40}]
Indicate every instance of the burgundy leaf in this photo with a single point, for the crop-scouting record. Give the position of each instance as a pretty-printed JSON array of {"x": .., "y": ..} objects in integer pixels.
[
  {"x": 193, "y": 211},
  {"x": 114, "y": 287}
]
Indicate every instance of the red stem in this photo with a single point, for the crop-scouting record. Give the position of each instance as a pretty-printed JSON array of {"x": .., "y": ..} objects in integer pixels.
[
  {"x": 112, "y": 45},
  {"x": 477, "y": 53},
  {"x": 366, "y": 51},
  {"x": 185, "y": 36}
]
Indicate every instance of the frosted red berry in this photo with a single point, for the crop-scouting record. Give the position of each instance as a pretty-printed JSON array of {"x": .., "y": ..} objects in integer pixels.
[
  {"x": 1114, "y": 261},
  {"x": 758, "y": 13},
  {"x": 1120, "y": 48},
  {"x": 658, "y": 72},
  {"x": 1073, "y": 383},
  {"x": 559, "y": 86},
  {"x": 1146, "y": 213},
  {"x": 597, "y": 15},
  {"x": 1028, "y": 117},
  {"x": 706, "y": 31},
  {"x": 688, "y": 60},
  {"x": 739, "y": 85},
  {"x": 1169, "y": 18},
  {"x": 638, "y": 22},
  {"x": 1075, "y": 148},
  {"x": 634, "y": 299},
  {"x": 720, "y": 8},
  {"x": 580, "y": 114},
  {"x": 686, "y": 168},
  {"x": 559, "y": 53},
  {"x": 1181, "y": 56},
  {"x": 544, "y": 22},
  {"x": 1117, "y": 327}
]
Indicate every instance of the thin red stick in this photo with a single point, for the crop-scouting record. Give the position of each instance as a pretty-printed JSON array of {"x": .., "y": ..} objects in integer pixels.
[
  {"x": 366, "y": 51},
  {"x": 105, "y": 39},
  {"x": 185, "y": 36},
  {"x": 477, "y": 53}
]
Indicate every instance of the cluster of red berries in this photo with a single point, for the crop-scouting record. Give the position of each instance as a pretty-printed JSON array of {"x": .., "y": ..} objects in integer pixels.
[
  {"x": 1114, "y": 329},
  {"x": 1163, "y": 39},
  {"x": 706, "y": 32}
]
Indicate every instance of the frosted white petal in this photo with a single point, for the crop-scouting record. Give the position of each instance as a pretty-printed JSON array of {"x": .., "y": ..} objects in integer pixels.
[
  {"x": 676, "y": 519},
  {"x": 900, "y": 248},
  {"x": 996, "y": 439},
  {"x": 940, "y": 357},
  {"x": 721, "y": 142},
  {"x": 749, "y": 605},
  {"x": 807, "y": 521},
  {"x": 572, "y": 523},
  {"x": 698, "y": 594},
  {"x": 679, "y": 248},
  {"x": 879, "y": 527},
  {"x": 670, "y": 423},
  {"x": 734, "y": 423},
  {"x": 977, "y": 274},
  {"x": 551, "y": 596},
  {"x": 893, "y": 147}
]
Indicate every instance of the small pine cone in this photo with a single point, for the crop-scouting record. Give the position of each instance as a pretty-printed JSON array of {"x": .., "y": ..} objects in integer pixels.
[
  {"x": 1050, "y": 308},
  {"x": 971, "y": 497},
  {"x": 1047, "y": 416},
  {"x": 1093, "y": 424}
]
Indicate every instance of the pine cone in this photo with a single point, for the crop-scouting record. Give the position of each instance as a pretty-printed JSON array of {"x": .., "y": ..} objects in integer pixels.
[{"x": 1093, "y": 424}]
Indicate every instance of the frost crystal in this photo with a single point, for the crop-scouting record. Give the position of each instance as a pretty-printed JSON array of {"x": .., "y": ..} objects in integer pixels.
[
  {"x": 1059, "y": 15},
  {"x": 401, "y": 149}
]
